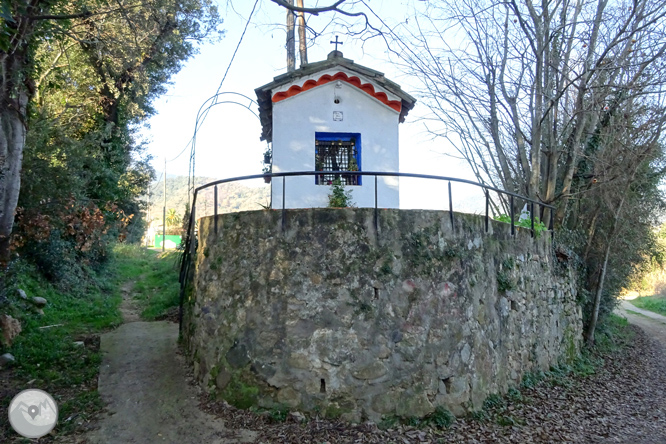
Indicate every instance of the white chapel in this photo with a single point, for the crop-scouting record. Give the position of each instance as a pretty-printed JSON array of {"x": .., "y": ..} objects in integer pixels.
[{"x": 328, "y": 116}]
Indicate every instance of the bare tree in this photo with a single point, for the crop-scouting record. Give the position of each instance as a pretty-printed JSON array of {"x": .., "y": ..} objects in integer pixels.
[
  {"x": 562, "y": 101},
  {"x": 521, "y": 87}
]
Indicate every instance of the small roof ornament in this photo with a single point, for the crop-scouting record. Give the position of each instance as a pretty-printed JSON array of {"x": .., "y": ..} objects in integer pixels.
[
  {"x": 335, "y": 53},
  {"x": 336, "y": 43}
]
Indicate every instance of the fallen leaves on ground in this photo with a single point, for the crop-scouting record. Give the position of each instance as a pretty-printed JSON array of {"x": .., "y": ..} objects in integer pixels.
[{"x": 623, "y": 402}]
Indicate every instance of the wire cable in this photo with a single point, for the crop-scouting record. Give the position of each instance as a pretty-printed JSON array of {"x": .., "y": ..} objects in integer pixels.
[
  {"x": 221, "y": 82},
  {"x": 237, "y": 46},
  {"x": 192, "y": 143}
]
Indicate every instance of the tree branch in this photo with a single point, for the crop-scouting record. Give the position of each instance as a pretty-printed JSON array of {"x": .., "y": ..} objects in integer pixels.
[
  {"x": 82, "y": 14},
  {"x": 313, "y": 11}
]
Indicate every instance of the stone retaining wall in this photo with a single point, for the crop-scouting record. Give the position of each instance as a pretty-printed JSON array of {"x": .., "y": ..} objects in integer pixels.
[{"x": 331, "y": 316}]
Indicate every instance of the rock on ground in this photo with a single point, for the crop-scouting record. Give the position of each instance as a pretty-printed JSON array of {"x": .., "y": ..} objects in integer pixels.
[{"x": 10, "y": 328}]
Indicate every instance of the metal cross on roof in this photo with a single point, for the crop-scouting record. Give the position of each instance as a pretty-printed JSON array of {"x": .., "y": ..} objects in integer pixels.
[{"x": 336, "y": 42}]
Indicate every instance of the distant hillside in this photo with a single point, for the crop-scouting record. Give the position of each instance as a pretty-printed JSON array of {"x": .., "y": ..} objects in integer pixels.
[{"x": 231, "y": 197}]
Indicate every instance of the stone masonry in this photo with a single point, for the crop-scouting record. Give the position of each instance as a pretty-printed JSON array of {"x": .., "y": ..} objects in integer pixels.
[{"x": 333, "y": 317}]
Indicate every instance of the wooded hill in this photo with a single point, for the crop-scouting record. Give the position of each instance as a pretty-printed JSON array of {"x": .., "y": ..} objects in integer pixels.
[{"x": 231, "y": 197}]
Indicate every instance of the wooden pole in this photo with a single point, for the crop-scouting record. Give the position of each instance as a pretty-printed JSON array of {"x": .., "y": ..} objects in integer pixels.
[
  {"x": 164, "y": 211},
  {"x": 291, "y": 40},
  {"x": 302, "y": 43}
]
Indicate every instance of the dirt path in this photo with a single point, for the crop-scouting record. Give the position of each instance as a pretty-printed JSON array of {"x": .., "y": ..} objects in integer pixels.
[
  {"x": 652, "y": 323},
  {"x": 145, "y": 387},
  {"x": 128, "y": 307}
]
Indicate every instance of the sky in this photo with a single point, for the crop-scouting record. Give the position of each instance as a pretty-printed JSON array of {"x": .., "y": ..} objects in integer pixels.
[{"x": 227, "y": 143}]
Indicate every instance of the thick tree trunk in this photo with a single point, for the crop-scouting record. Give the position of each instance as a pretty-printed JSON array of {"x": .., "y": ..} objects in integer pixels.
[{"x": 12, "y": 141}]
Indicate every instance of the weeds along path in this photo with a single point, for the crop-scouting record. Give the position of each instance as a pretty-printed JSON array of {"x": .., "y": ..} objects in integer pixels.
[{"x": 145, "y": 386}]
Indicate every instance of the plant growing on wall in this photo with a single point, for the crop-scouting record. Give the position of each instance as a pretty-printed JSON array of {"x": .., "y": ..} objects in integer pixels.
[
  {"x": 353, "y": 166},
  {"x": 524, "y": 223},
  {"x": 267, "y": 169},
  {"x": 339, "y": 197},
  {"x": 268, "y": 155},
  {"x": 268, "y": 164}
]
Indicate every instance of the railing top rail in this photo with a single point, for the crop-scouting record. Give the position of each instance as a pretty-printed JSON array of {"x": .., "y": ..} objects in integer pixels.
[{"x": 370, "y": 173}]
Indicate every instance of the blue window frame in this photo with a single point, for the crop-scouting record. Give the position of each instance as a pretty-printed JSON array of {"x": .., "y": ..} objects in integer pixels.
[{"x": 337, "y": 152}]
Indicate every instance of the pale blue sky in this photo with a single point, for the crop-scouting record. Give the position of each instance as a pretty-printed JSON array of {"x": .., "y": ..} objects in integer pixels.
[{"x": 228, "y": 142}]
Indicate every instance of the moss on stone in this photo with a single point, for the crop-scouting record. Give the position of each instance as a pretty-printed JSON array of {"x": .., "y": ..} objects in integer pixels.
[
  {"x": 239, "y": 393},
  {"x": 570, "y": 346},
  {"x": 504, "y": 282},
  {"x": 385, "y": 269},
  {"x": 335, "y": 411}
]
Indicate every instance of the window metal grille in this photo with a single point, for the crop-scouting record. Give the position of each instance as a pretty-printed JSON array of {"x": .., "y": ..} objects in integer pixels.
[{"x": 336, "y": 155}]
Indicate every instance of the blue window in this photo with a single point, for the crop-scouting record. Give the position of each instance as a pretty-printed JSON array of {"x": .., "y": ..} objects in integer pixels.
[{"x": 337, "y": 152}]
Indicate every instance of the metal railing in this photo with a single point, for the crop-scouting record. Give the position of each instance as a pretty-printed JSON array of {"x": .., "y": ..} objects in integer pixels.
[{"x": 190, "y": 241}]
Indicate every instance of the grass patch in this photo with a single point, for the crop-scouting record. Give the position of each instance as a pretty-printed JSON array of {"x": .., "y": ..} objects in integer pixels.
[
  {"x": 48, "y": 358},
  {"x": 155, "y": 276},
  {"x": 611, "y": 335},
  {"x": 635, "y": 313},
  {"x": 441, "y": 418},
  {"x": 655, "y": 304}
]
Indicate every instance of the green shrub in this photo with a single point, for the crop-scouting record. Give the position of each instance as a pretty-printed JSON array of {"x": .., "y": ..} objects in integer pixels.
[
  {"x": 504, "y": 281},
  {"x": 339, "y": 197},
  {"x": 539, "y": 226},
  {"x": 441, "y": 418}
]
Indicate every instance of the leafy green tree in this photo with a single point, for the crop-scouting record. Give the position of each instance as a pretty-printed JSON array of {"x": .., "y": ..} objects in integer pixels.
[
  {"x": 172, "y": 218},
  {"x": 77, "y": 79}
]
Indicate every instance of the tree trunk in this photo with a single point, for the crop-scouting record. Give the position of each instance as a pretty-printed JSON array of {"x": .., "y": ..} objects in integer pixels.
[
  {"x": 589, "y": 334},
  {"x": 12, "y": 141},
  {"x": 291, "y": 40},
  {"x": 302, "y": 44}
]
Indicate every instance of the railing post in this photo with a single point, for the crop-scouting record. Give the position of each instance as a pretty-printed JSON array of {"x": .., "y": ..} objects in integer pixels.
[
  {"x": 215, "y": 211},
  {"x": 376, "y": 212},
  {"x": 487, "y": 206},
  {"x": 532, "y": 216},
  {"x": 513, "y": 223},
  {"x": 450, "y": 206},
  {"x": 193, "y": 229},
  {"x": 284, "y": 212},
  {"x": 185, "y": 266}
]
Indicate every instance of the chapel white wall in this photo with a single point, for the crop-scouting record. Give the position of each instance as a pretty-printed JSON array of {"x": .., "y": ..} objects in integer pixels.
[{"x": 297, "y": 119}]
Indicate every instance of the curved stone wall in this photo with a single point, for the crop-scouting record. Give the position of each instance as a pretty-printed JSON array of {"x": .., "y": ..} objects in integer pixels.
[{"x": 330, "y": 316}]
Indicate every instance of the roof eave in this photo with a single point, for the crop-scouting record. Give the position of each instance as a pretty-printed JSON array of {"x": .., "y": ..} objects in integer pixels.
[{"x": 335, "y": 58}]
